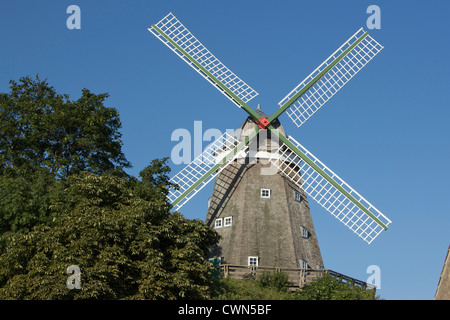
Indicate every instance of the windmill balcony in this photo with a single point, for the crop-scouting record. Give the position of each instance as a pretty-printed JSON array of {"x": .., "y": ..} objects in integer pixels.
[{"x": 297, "y": 277}]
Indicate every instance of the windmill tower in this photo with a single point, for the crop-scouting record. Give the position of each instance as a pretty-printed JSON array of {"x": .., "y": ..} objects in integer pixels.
[{"x": 263, "y": 216}]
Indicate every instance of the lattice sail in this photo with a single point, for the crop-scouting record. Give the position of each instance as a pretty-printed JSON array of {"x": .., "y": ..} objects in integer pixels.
[
  {"x": 195, "y": 174},
  {"x": 327, "y": 195},
  {"x": 333, "y": 80},
  {"x": 181, "y": 36}
]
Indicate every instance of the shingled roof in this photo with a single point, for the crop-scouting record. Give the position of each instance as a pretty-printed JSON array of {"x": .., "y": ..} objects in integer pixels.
[{"x": 443, "y": 288}]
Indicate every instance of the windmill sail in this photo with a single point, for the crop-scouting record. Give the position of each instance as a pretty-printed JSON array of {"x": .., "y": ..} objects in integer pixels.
[
  {"x": 205, "y": 167},
  {"x": 330, "y": 191},
  {"x": 291, "y": 158},
  {"x": 178, "y": 38},
  {"x": 324, "y": 82}
]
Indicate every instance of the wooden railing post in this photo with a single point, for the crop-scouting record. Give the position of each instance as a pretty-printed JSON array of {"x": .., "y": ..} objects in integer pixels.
[
  {"x": 225, "y": 270},
  {"x": 301, "y": 279}
]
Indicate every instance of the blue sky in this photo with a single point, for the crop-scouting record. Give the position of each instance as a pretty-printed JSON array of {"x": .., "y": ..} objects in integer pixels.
[{"x": 386, "y": 132}]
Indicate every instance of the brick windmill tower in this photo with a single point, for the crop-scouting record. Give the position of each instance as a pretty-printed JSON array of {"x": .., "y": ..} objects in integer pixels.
[{"x": 259, "y": 202}]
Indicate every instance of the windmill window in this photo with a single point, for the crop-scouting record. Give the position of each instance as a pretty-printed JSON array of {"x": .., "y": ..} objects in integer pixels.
[
  {"x": 253, "y": 261},
  {"x": 297, "y": 196},
  {"x": 265, "y": 193},
  {"x": 304, "y": 264},
  {"x": 305, "y": 233},
  {"x": 228, "y": 221},
  {"x": 218, "y": 223}
]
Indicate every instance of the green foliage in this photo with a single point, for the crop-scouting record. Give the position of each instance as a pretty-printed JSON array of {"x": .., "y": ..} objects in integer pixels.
[
  {"x": 330, "y": 288},
  {"x": 273, "y": 286},
  {"x": 266, "y": 286},
  {"x": 154, "y": 180},
  {"x": 275, "y": 280},
  {"x": 65, "y": 200},
  {"x": 41, "y": 129},
  {"x": 127, "y": 247},
  {"x": 45, "y": 138},
  {"x": 246, "y": 289},
  {"x": 25, "y": 201}
]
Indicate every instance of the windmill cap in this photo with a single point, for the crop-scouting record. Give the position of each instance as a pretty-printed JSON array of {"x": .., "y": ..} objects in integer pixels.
[{"x": 249, "y": 125}]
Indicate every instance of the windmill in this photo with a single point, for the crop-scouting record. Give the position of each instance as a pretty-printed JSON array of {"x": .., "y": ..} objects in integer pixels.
[{"x": 297, "y": 171}]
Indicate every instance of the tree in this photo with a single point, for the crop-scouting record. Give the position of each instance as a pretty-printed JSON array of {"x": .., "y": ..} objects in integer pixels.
[
  {"x": 25, "y": 201},
  {"x": 65, "y": 201},
  {"x": 44, "y": 138},
  {"x": 42, "y": 129},
  {"x": 122, "y": 236}
]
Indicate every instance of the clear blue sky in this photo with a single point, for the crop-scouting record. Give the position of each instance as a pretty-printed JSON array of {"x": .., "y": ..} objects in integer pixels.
[{"x": 387, "y": 132}]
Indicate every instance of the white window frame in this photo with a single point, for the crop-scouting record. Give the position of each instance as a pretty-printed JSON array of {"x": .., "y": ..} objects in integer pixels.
[
  {"x": 305, "y": 233},
  {"x": 297, "y": 196},
  {"x": 253, "y": 261},
  {"x": 218, "y": 223},
  {"x": 266, "y": 193},
  {"x": 227, "y": 221}
]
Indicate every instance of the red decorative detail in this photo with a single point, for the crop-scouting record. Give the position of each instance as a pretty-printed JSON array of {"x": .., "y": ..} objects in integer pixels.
[{"x": 263, "y": 122}]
